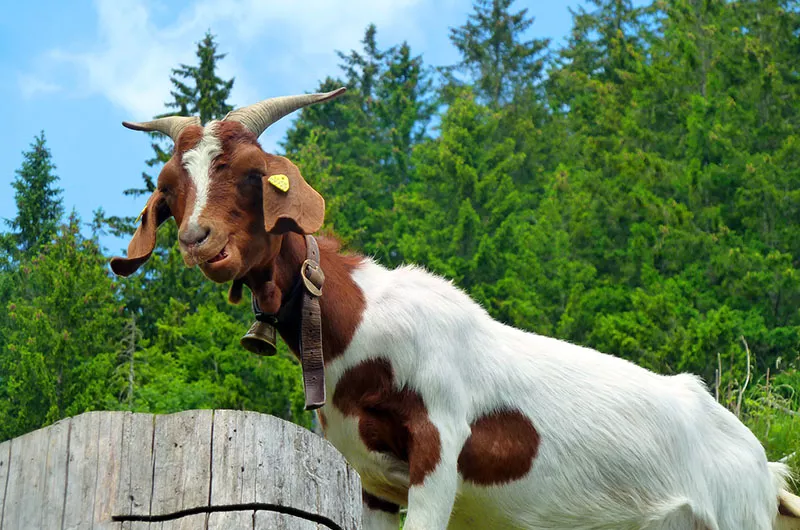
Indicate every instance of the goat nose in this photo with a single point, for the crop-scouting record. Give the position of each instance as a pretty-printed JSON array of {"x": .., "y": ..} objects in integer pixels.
[{"x": 194, "y": 235}]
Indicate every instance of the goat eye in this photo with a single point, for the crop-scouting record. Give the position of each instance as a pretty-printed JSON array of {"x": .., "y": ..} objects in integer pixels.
[{"x": 222, "y": 167}]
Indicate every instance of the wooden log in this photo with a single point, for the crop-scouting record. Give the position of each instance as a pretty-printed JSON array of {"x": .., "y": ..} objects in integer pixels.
[
  {"x": 279, "y": 521},
  {"x": 200, "y": 469},
  {"x": 81, "y": 471},
  {"x": 182, "y": 465},
  {"x": 26, "y": 482},
  {"x": 55, "y": 474},
  {"x": 136, "y": 465},
  {"x": 5, "y": 458},
  {"x": 109, "y": 468}
]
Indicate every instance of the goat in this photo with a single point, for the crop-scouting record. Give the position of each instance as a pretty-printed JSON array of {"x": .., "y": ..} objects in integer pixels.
[{"x": 466, "y": 421}]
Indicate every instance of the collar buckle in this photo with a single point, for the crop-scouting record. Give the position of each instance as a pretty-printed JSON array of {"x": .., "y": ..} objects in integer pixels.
[{"x": 313, "y": 277}]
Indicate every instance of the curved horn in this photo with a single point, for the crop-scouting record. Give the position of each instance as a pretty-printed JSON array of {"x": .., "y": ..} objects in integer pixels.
[
  {"x": 171, "y": 125},
  {"x": 257, "y": 117}
]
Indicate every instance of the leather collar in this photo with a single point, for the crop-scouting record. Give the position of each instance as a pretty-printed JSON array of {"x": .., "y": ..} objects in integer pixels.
[{"x": 306, "y": 291}]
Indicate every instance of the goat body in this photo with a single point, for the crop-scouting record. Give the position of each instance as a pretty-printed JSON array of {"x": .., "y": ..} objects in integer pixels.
[
  {"x": 475, "y": 424},
  {"x": 468, "y": 422}
]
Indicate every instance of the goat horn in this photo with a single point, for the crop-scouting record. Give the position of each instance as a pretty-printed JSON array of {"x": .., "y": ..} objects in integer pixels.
[
  {"x": 257, "y": 117},
  {"x": 171, "y": 125}
]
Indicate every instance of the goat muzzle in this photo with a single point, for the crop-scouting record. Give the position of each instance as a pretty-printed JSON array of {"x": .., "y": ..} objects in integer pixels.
[{"x": 261, "y": 339}]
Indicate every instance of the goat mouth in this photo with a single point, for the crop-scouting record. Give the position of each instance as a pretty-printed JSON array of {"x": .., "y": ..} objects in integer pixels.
[{"x": 219, "y": 257}]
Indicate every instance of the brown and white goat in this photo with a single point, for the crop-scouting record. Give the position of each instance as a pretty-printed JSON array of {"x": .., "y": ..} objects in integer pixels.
[{"x": 467, "y": 422}]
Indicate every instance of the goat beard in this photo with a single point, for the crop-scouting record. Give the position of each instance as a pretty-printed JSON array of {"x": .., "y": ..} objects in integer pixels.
[
  {"x": 266, "y": 292},
  {"x": 235, "y": 291}
]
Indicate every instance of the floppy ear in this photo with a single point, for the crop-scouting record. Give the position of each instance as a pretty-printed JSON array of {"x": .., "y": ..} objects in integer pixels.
[
  {"x": 290, "y": 204},
  {"x": 144, "y": 240}
]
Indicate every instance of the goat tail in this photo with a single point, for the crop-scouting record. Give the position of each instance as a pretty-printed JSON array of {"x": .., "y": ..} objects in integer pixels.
[{"x": 788, "y": 504}]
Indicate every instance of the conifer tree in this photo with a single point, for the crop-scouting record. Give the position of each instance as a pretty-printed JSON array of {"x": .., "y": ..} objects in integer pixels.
[
  {"x": 357, "y": 149},
  {"x": 38, "y": 201},
  {"x": 207, "y": 94},
  {"x": 494, "y": 53}
]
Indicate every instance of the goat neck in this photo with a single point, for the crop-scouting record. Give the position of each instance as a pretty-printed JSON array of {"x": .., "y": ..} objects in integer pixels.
[{"x": 341, "y": 304}]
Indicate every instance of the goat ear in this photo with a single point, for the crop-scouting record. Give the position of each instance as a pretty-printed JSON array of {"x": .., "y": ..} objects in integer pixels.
[
  {"x": 144, "y": 240},
  {"x": 290, "y": 204}
]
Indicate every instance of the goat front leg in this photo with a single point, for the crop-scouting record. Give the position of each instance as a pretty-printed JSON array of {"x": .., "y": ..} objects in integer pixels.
[
  {"x": 379, "y": 514},
  {"x": 433, "y": 473}
]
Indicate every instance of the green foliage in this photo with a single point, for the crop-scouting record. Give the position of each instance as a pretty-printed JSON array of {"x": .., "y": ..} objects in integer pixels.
[
  {"x": 357, "y": 151},
  {"x": 195, "y": 361},
  {"x": 58, "y": 334}
]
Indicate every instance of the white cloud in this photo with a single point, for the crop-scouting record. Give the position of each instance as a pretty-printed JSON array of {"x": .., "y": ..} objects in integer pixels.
[
  {"x": 269, "y": 42},
  {"x": 32, "y": 86}
]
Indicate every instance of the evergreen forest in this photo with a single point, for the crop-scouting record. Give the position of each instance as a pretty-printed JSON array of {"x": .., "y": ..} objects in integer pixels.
[{"x": 635, "y": 189}]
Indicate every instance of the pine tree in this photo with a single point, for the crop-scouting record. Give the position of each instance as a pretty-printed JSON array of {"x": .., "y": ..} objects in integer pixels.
[
  {"x": 131, "y": 336},
  {"x": 504, "y": 69},
  {"x": 38, "y": 201},
  {"x": 207, "y": 96},
  {"x": 362, "y": 69},
  {"x": 494, "y": 53},
  {"x": 357, "y": 150},
  {"x": 403, "y": 108}
]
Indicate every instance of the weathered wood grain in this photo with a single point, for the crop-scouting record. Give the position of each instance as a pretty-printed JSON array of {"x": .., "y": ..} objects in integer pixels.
[
  {"x": 286, "y": 451},
  {"x": 55, "y": 485},
  {"x": 233, "y": 477},
  {"x": 5, "y": 459},
  {"x": 136, "y": 465},
  {"x": 279, "y": 521},
  {"x": 80, "y": 472},
  {"x": 26, "y": 481},
  {"x": 182, "y": 461},
  {"x": 190, "y": 522},
  {"x": 109, "y": 467}
]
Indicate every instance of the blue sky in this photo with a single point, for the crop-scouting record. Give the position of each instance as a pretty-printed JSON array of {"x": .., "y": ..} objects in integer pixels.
[{"x": 77, "y": 69}]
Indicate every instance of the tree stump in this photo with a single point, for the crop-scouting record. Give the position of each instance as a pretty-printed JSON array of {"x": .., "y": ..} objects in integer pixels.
[{"x": 199, "y": 469}]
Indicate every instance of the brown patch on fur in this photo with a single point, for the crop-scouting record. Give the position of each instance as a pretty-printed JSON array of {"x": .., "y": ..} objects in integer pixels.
[
  {"x": 389, "y": 420},
  {"x": 500, "y": 449},
  {"x": 342, "y": 302},
  {"x": 376, "y": 503},
  {"x": 188, "y": 139},
  {"x": 231, "y": 134}
]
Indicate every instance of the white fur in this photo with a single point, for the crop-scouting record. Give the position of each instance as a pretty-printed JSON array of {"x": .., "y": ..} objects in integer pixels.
[
  {"x": 621, "y": 447},
  {"x": 197, "y": 162}
]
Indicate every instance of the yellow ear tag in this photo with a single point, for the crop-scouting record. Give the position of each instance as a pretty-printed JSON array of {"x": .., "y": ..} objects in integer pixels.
[
  {"x": 141, "y": 214},
  {"x": 280, "y": 181}
]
